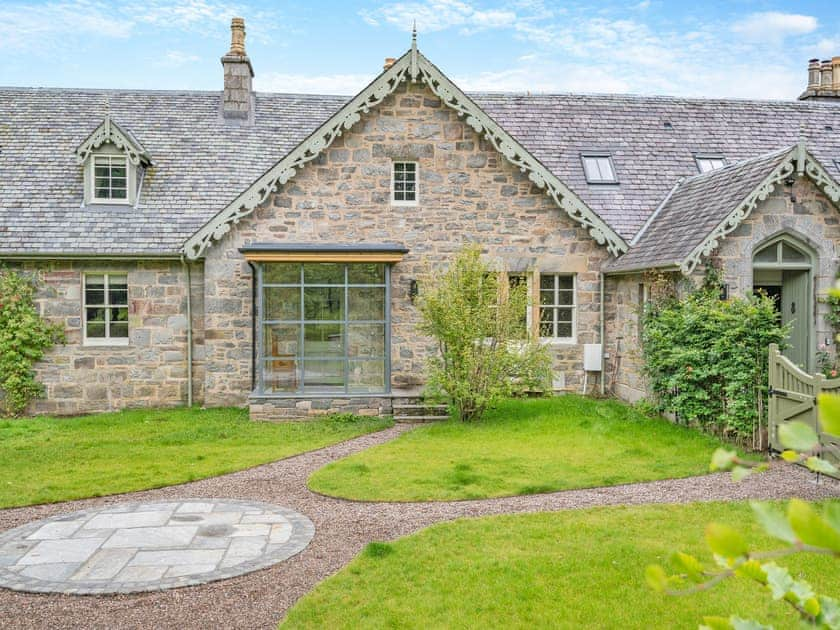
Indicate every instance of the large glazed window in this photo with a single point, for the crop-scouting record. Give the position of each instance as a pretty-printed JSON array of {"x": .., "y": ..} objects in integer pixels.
[{"x": 323, "y": 328}]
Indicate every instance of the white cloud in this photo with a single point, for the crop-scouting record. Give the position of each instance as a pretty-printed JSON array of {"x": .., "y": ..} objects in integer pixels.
[
  {"x": 774, "y": 26},
  {"x": 52, "y": 26},
  {"x": 438, "y": 15},
  {"x": 176, "y": 59},
  {"x": 344, "y": 84},
  {"x": 29, "y": 27}
]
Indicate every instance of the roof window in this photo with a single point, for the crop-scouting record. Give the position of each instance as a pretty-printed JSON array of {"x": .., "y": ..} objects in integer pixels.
[
  {"x": 599, "y": 168},
  {"x": 706, "y": 163}
]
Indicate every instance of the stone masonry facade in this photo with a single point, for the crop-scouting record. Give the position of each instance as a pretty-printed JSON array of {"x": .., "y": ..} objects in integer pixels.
[
  {"x": 799, "y": 210},
  {"x": 151, "y": 371},
  {"x": 468, "y": 193}
]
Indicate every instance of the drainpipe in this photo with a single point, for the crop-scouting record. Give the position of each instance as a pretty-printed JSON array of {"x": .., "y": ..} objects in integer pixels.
[
  {"x": 601, "y": 337},
  {"x": 186, "y": 266},
  {"x": 253, "y": 326}
]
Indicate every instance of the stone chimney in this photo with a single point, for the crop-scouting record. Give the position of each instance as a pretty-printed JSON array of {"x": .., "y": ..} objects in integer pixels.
[
  {"x": 237, "y": 99},
  {"x": 823, "y": 80}
]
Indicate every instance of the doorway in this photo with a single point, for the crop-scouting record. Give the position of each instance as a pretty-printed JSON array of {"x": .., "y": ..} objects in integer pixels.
[{"x": 782, "y": 270}]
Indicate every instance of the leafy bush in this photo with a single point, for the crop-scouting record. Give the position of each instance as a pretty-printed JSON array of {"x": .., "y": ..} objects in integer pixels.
[
  {"x": 478, "y": 324},
  {"x": 706, "y": 358},
  {"x": 24, "y": 337}
]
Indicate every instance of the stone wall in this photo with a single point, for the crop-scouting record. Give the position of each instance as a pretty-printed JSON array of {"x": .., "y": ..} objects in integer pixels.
[
  {"x": 151, "y": 371},
  {"x": 800, "y": 211},
  {"x": 290, "y": 408},
  {"x": 623, "y": 365},
  {"x": 467, "y": 193}
]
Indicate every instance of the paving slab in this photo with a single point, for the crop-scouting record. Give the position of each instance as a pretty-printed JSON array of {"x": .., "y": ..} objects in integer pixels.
[{"x": 136, "y": 547}]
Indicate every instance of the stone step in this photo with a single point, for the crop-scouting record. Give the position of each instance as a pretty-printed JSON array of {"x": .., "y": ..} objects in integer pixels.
[
  {"x": 420, "y": 410},
  {"x": 419, "y": 419}
]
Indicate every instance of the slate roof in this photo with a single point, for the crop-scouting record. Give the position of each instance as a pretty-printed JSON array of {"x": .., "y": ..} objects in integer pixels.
[
  {"x": 201, "y": 164},
  {"x": 695, "y": 207}
]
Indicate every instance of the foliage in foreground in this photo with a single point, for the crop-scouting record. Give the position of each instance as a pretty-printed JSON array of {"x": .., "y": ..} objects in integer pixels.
[
  {"x": 485, "y": 353},
  {"x": 802, "y": 528},
  {"x": 44, "y": 460},
  {"x": 24, "y": 338},
  {"x": 706, "y": 358}
]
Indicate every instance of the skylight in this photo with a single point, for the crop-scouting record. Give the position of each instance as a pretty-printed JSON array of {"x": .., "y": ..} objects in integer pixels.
[
  {"x": 599, "y": 168},
  {"x": 706, "y": 163}
]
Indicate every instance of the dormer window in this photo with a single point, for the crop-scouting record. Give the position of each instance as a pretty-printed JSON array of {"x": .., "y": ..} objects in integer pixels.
[
  {"x": 599, "y": 168},
  {"x": 114, "y": 162},
  {"x": 707, "y": 163},
  {"x": 110, "y": 178}
]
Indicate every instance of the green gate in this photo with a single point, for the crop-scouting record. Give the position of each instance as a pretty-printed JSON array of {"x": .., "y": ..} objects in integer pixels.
[{"x": 793, "y": 397}]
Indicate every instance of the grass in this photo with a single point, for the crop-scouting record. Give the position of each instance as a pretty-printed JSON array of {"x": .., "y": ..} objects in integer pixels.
[
  {"x": 44, "y": 460},
  {"x": 560, "y": 570},
  {"x": 523, "y": 447}
]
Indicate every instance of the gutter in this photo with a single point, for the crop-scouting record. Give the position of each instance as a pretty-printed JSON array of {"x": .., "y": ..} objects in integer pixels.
[
  {"x": 63, "y": 256},
  {"x": 601, "y": 336}
]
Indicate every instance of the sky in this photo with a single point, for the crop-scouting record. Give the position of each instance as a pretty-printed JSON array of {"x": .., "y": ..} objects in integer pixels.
[{"x": 740, "y": 48}]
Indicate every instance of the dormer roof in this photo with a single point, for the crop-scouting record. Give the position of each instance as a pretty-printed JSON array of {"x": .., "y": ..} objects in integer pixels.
[{"x": 109, "y": 131}]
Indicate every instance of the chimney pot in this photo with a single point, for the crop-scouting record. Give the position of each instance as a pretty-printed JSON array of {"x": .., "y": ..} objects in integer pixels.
[
  {"x": 389, "y": 61},
  {"x": 237, "y": 97},
  {"x": 827, "y": 80},
  {"x": 814, "y": 74}
]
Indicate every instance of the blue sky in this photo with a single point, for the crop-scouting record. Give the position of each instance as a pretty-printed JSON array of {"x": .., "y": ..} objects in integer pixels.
[{"x": 741, "y": 48}]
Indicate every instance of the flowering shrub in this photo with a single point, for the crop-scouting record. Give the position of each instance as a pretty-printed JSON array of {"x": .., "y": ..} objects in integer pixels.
[
  {"x": 24, "y": 337},
  {"x": 706, "y": 358}
]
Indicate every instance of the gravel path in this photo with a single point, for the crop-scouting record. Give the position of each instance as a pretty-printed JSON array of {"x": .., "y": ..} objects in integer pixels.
[{"x": 343, "y": 528}]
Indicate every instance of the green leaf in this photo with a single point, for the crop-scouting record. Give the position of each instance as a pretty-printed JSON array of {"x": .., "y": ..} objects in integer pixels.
[
  {"x": 831, "y": 513},
  {"x": 752, "y": 569},
  {"x": 798, "y": 436},
  {"x": 656, "y": 577},
  {"x": 773, "y": 521},
  {"x": 722, "y": 459},
  {"x": 790, "y": 456},
  {"x": 739, "y": 473},
  {"x": 829, "y": 612},
  {"x": 690, "y": 565},
  {"x": 829, "y": 406},
  {"x": 809, "y": 526},
  {"x": 779, "y": 580},
  {"x": 716, "y": 623},
  {"x": 817, "y": 464},
  {"x": 725, "y": 541},
  {"x": 747, "y": 624}
]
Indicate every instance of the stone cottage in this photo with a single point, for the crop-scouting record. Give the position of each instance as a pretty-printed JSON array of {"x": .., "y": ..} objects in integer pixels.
[{"x": 243, "y": 248}]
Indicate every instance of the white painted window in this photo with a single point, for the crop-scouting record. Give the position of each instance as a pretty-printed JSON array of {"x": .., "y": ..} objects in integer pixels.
[
  {"x": 708, "y": 163},
  {"x": 404, "y": 183},
  {"x": 105, "y": 309},
  {"x": 558, "y": 306},
  {"x": 599, "y": 168},
  {"x": 110, "y": 178}
]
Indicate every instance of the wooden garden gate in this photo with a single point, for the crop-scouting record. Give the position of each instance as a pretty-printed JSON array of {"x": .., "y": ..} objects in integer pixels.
[{"x": 793, "y": 397}]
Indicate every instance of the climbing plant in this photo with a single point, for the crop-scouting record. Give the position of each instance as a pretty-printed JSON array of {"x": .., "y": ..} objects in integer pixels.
[
  {"x": 706, "y": 357},
  {"x": 24, "y": 338}
]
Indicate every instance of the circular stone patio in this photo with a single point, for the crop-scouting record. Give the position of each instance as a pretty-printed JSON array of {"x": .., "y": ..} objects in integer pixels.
[{"x": 133, "y": 547}]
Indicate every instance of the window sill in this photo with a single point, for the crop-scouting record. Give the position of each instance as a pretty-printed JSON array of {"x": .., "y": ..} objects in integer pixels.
[
  {"x": 551, "y": 341},
  {"x": 105, "y": 343},
  {"x": 110, "y": 202},
  {"x": 404, "y": 203}
]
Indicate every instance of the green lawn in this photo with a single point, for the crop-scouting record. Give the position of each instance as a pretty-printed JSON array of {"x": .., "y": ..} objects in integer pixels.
[
  {"x": 44, "y": 460},
  {"x": 560, "y": 570},
  {"x": 523, "y": 447}
]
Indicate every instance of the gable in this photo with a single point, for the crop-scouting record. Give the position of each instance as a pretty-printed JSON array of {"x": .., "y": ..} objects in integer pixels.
[
  {"x": 701, "y": 211},
  {"x": 415, "y": 67}
]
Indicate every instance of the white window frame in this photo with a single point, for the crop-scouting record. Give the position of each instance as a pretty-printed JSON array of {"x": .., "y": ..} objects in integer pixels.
[
  {"x": 598, "y": 155},
  {"x": 405, "y": 202},
  {"x": 573, "y": 306},
  {"x": 92, "y": 178},
  {"x": 107, "y": 340},
  {"x": 709, "y": 159}
]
